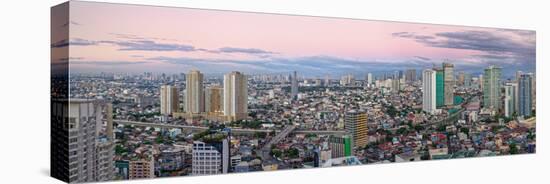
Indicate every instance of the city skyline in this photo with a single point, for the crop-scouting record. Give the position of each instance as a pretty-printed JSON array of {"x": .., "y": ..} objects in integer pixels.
[{"x": 223, "y": 41}]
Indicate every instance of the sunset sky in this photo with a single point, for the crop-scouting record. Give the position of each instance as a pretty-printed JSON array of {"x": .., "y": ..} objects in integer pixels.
[{"x": 129, "y": 38}]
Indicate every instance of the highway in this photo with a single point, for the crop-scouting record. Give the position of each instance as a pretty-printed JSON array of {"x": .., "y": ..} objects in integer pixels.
[{"x": 233, "y": 130}]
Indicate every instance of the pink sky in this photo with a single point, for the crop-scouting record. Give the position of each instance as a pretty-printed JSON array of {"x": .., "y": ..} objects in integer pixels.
[{"x": 284, "y": 36}]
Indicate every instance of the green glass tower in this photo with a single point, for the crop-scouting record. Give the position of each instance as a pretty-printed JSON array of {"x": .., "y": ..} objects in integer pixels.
[{"x": 439, "y": 88}]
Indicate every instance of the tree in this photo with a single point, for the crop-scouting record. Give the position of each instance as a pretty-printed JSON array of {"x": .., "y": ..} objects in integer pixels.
[{"x": 513, "y": 149}]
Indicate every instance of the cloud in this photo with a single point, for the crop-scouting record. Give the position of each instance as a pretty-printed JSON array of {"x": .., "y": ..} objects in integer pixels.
[
  {"x": 108, "y": 63},
  {"x": 243, "y": 50},
  {"x": 149, "y": 45},
  {"x": 422, "y": 58}
]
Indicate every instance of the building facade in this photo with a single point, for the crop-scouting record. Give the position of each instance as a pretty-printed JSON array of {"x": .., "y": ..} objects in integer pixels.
[
  {"x": 169, "y": 99},
  {"x": 491, "y": 88},
  {"x": 429, "y": 91},
  {"x": 235, "y": 96},
  {"x": 194, "y": 95},
  {"x": 355, "y": 124},
  {"x": 449, "y": 82}
]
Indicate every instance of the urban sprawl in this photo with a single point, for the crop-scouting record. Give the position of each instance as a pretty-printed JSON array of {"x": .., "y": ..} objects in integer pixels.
[{"x": 147, "y": 125}]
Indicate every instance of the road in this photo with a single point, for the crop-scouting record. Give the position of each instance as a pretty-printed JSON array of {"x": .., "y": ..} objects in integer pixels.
[{"x": 233, "y": 130}]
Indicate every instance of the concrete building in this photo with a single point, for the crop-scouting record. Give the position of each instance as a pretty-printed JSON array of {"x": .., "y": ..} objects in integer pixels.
[
  {"x": 429, "y": 91},
  {"x": 440, "y": 88},
  {"x": 410, "y": 75},
  {"x": 235, "y": 96},
  {"x": 211, "y": 155},
  {"x": 169, "y": 99},
  {"x": 340, "y": 146},
  {"x": 449, "y": 78},
  {"x": 491, "y": 88},
  {"x": 510, "y": 99},
  {"x": 294, "y": 85},
  {"x": 355, "y": 124},
  {"x": 525, "y": 92},
  {"x": 369, "y": 78},
  {"x": 213, "y": 100},
  {"x": 194, "y": 95},
  {"x": 91, "y": 151},
  {"x": 142, "y": 168}
]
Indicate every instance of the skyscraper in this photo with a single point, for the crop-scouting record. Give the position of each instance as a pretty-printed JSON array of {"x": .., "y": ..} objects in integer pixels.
[
  {"x": 449, "y": 83},
  {"x": 439, "y": 88},
  {"x": 395, "y": 85},
  {"x": 429, "y": 91},
  {"x": 491, "y": 88},
  {"x": 410, "y": 75},
  {"x": 355, "y": 123},
  {"x": 510, "y": 99},
  {"x": 461, "y": 78},
  {"x": 210, "y": 154},
  {"x": 213, "y": 99},
  {"x": 194, "y": 94},
  {"x": 369, "y": 78},
  {"x": 294, "y": 86},
  {"x": 169, "y": 99},
  {"x": 525, "y": 88},
  {"x": 90, "y": 153},
  {"x": 235, "y": 96}
]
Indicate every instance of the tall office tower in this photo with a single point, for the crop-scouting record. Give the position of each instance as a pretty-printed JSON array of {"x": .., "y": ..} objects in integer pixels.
[
  {"x": 410, "y": 75},
  {"x": 194, "y": 94},
  {"x": 510, "y": 99},
  {"x": 210, "y": 154},
  {"x": 518, "y": 75},
  {"x": 235, "y": 96},
  {"x": 491, "y": 87},
  {"x": 213, "y": 100},
  {"x": 525, "y": 87},
  {"x": 395, "y": 85},
  {"x": 461, "y": 78},
  {"x": 481, "y": 81},
  {"x": 294, "y": 86},
  {"x": 429, "y": 91},
  {"x": 439, "y": 88},
  {"x": 142, "y": 168},
  {"x": 91, "y": 156},
  {"x": 327, "y": 80},
  {"x": 449, "y": 83},
  {"x": 355, "y": 123},
  {"x": 369, "y": 78},
  {"x": 169, "y": 99},
  {"x": 109, "y": 118},
  {"x": 467, "y": 80},
  {"x": 340, "y": 146}
]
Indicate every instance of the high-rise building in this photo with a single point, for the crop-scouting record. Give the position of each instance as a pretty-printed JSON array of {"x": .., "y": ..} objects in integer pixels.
[
  {"x": 294, "y": 86},
  {"x": 510, "y": 99},
  {"x": 491, "y": 88},
  {"x": 395, "y": 85},
  {"x": 439, "y": 88},
  {"x": 347, "y": 80},
  {"x": 410, "y": 75},
  {"x": 213, "y": 100},
  {"x": 142, "y": 168},
  {"x": 449, "y": 78},
  {"x": 194, "y": 94},
  {"x": 467, "y": 80},
  {"x": 235, "y": 96},
  {"x": 91, "y": 152},
  {"x": 340, "y": 146},
  {"x": 461, "y": 78},
  {"x": 355, "y": 124},
  {"x": 429, "y": 91},
  {"x": 169, "y": 99},
  {"x": 210, "y": 154},
  {"x": 369, "y": 78},
  {"x": 525, "y": 88}
]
